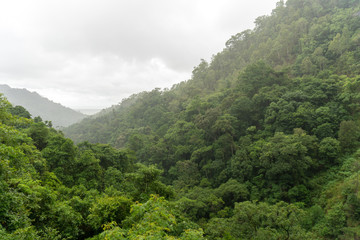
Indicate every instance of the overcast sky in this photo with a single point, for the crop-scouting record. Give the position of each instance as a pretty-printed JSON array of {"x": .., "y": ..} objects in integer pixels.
[{"x": 93, "y": 53}]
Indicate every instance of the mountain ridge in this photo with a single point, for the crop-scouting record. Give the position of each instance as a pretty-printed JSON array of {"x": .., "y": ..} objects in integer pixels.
[{"x": 38, "y": 105}]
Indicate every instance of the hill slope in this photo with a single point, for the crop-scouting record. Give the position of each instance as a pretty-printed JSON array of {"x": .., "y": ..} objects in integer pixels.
[
  {"x": 39, "y": 106},
  {"x": 299, "y": 38},
  {"x": 257, "y": 145}
]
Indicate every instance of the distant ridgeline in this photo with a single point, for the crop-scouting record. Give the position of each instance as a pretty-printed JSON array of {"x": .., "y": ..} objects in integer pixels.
[
  {"x": 37, "y": 105},
  {"x": 262, "y": 143}
]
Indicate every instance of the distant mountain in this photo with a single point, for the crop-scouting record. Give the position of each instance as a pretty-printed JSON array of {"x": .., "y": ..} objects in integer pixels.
[{"x": 40, "y": 106}]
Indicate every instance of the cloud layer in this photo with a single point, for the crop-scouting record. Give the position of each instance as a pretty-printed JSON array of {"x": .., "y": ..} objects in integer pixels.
[{"x": 93, "y": 53}]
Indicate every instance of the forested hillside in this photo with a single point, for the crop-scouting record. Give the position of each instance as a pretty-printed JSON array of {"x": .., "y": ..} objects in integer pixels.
[
  {"x": 299, "y": 39},
  {"x": 263, "y": 142},
  {"x": 52, "y": 189},
  {"x": 37, "y": 105}
]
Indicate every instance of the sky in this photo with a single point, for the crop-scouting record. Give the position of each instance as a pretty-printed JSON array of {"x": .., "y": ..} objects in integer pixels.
[{"x": 93, "y": 53}]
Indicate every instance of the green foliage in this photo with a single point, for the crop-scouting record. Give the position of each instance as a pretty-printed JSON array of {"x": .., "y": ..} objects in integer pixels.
[
  {"x": 329, "y": 150},
  {"x": 20, "y": 111},
  {"x": 60, "y": 154},
  {"x": 144, "y": 182},
  {"x": 39, "y": 133},
  {"x": 200, "y": 203},
  {"x": 66, "y": 220},
  {"x": 107, "y": 209},
  {"x": 257, "y": 76},
  {"x": 28, "y": 233},
  {"x": 349, "y": 135},
  {"x": 187, "y": 174},
  {"x": 232, "y": 191},
  {"x": 261, "y": 143},
  {"x": 88, "y": 170},
  {"x": 151, "y": 220},
  {"x": 261, "y": 221},
  {"x": 286, "y": 156},
  {"x": 109, "y": 156}
]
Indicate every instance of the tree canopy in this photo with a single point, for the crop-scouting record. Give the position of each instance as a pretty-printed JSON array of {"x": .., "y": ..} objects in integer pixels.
[{"x": 261, "y": 143}]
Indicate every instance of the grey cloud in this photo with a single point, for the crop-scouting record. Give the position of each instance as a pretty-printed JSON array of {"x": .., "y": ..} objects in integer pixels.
[
  {"x": 94, "y": 52},
  {"x": 180, "y": 32}
]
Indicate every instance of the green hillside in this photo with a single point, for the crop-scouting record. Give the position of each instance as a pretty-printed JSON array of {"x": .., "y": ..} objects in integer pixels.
[
  {"x": 263, "y": 142},
  {"x": 52, "y": 189},
  {"x": 299, "y": 39}
]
